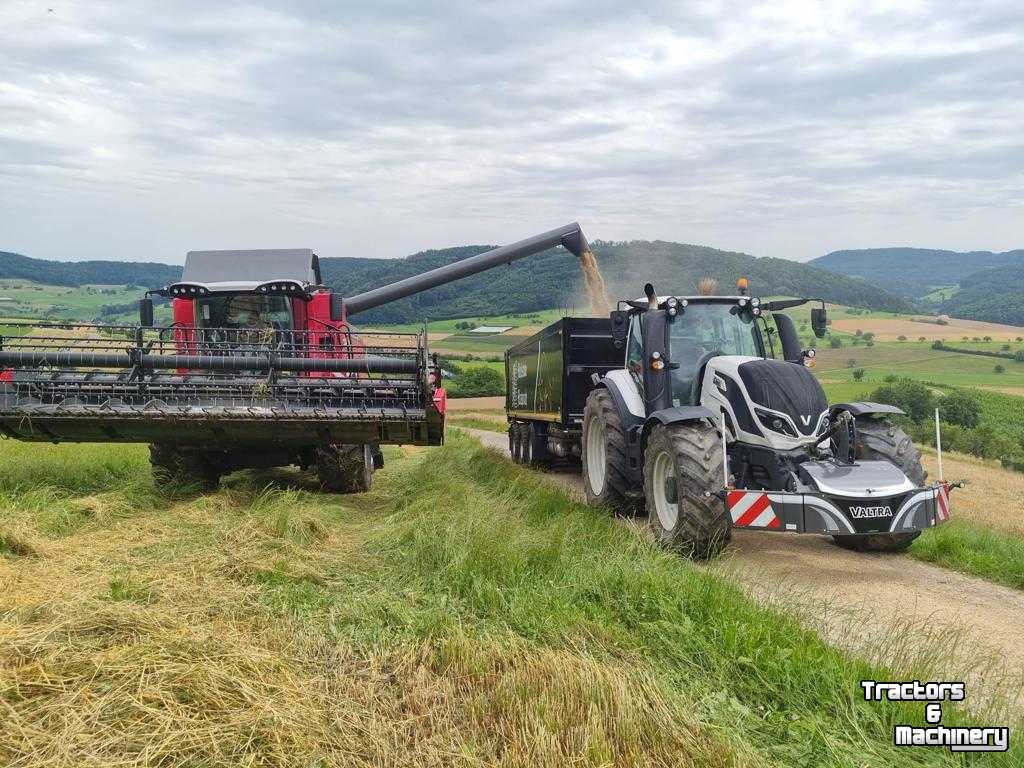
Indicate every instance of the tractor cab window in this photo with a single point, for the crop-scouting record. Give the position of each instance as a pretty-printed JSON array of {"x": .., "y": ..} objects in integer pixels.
[
  {"x": 244, "y": 311},
  {"x": 635, "y": 351},
  {"x": 703, "y": 331}
]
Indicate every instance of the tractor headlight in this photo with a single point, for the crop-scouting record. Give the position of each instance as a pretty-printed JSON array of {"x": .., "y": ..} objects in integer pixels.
[
  {"x": 775, "y": 423},
  {"x": 755, "y": 302},
  {"x": 743, "y": 302}
]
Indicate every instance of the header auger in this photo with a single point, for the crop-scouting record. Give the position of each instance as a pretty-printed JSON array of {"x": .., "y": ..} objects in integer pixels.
[{"x": 259, "y": 368}]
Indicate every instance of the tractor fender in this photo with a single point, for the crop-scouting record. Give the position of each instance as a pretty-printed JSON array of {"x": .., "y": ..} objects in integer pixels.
[
  {"x": 865, "y": 409},
  {"x": 626, "y": 395},
  {"x": 676, "y": 415}
]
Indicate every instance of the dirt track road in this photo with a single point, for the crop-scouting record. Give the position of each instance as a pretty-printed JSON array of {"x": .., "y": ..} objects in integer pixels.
[{"x": 887, "y": 607}]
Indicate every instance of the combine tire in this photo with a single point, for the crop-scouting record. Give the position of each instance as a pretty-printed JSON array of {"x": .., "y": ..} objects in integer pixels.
[
  {"x": 181, "y": 467},
  {"x": 682, "y": 466},
  {"x": 605, "y": 460},
  {"x": 345, "y": 468},
  {"x": 879, "y": 440}
]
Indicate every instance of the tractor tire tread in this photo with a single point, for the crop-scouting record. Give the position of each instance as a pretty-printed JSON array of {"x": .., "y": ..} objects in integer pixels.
[
  {"x": 617, "y": 488},
  {"x": 878, "y": 439},
  {"x": 704, "y": 525}
]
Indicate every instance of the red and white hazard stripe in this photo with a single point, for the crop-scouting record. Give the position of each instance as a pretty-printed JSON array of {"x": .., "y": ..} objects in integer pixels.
[
  {"x": 751, "y": 509},
  {"x": 942, "y": 503}
]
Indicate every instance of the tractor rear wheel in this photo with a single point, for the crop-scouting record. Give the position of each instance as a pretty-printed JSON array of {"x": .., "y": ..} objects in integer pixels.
[
  {"x": 181, "y": 466},
  {"x": 682, "y": 472},
  {"x": 345, "y": 468},
  {"x": 880, "y": 440},
  {"x": 605, "y": 460}
]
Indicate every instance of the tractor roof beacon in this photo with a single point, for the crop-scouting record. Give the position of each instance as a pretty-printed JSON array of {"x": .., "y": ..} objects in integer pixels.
[
  {"x": 259, "y": 368},
  {"x": 697, "y": 421}
]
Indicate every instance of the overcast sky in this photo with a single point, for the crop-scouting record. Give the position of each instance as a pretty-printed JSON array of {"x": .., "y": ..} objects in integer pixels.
[{"x": 141, "y": 130}]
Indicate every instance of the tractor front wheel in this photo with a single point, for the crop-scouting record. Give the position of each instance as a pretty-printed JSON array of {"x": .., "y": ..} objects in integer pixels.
[
  {"x": 183, "y": 467},
  {"x": 345, "y": 468},
  {"x": 682, "y": 473}
]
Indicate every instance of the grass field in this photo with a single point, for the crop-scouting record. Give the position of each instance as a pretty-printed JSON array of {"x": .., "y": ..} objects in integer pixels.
[
  {"x": 464, "y": 612},
  {"x": 30, "y": 299}
]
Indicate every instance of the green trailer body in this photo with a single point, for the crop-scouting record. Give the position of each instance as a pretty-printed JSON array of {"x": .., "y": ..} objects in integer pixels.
[{"x": 548, "y": 376}]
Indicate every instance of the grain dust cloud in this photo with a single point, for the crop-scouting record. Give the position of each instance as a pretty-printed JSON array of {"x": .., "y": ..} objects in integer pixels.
[{"x": 595, "y": 283}]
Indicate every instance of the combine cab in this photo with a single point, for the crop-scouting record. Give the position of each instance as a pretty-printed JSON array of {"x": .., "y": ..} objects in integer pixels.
[{"x": 259, "y": 368}]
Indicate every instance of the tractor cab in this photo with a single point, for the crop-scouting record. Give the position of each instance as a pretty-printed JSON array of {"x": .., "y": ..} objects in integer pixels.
[{"x": 719, "y": 352}]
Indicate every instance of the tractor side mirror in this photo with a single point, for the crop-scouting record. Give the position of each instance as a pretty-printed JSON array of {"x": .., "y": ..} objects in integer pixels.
[
  {"x": 620, "y": 328},
  {"x": 146, "y": 312},
  {"x": 819, "y": 322}
]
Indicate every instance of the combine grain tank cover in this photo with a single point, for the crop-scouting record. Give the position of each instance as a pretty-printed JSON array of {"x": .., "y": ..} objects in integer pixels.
[{"x": 252, "y": 267}]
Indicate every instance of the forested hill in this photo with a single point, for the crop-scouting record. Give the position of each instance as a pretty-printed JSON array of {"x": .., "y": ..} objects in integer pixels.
[
  {"x": 552, "y": 279},
  {"x": 914, "y": 272},
  {"x": 75, "y": 273},
  {"x": 995, "y": 295}
]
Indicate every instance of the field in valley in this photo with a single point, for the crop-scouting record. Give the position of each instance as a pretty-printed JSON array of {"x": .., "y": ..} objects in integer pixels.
[{"x": 463, "y": 612}]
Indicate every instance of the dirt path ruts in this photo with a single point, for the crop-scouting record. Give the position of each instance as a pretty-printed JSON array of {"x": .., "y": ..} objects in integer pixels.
[{"x": 888, "y": 607}]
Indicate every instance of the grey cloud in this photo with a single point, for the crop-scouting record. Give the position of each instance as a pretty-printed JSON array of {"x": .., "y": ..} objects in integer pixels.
[{"x": 379, "y": 129}]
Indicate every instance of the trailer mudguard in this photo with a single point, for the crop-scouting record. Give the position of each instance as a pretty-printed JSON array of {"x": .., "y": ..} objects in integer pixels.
[{"x": 866, "y": 409}]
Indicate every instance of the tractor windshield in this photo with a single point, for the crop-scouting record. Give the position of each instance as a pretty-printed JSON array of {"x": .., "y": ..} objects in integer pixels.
[
  {"x": 244, "y": 310},
  {"x": 705, "y": 330}
]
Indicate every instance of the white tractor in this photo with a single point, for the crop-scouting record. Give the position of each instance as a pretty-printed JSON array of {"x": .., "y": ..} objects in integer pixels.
[{"x": 707, "y": 430}]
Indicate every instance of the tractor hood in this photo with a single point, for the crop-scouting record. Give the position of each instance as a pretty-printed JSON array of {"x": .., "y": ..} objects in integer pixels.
[{"x": 788, "y": 388}]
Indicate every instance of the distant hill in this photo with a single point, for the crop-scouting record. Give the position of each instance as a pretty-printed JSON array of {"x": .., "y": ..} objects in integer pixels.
[
  {"x": 986, "y": 286},
  {"x": 74, "y": 273},
  {"x": 914, "y": 272},
  {"x": 550, "y": 279},
  {"x": 995, "y": 295}
]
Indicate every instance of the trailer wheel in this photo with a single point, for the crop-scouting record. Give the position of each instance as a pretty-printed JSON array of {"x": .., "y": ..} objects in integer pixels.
[
  {"x": 180, "y": 466},
  {"x": 537, "y": 438},
  {"x": 682, "y": 469},
  {"x": 881, "y": 440},
  {"x": 345, "y": 468},
  {"x": 604, "y": 455}
]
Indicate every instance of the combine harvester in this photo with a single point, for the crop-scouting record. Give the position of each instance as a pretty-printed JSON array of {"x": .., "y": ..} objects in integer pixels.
[
  {"x": 675, "y": 405},
  {"x": 260, "y": 368}
]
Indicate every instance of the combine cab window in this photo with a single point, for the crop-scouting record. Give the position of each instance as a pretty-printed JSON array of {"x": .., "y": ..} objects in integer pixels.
[
  {"x": 707, "y": 330},
  {"x": 241, "y": 311}
]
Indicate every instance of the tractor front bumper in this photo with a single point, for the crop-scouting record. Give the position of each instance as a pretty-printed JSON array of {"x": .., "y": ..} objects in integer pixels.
[{"x": 915, "y": 510}]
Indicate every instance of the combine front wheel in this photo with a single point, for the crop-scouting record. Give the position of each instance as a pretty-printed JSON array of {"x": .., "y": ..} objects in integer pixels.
[
  {"x": 682, "y": 469},
  {"x": 345, "y": 468},
  {"x": 180, "y": 466}
]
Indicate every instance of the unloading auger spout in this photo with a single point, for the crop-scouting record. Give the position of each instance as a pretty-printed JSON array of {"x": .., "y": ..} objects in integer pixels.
[{"x": 570, "y": 236}]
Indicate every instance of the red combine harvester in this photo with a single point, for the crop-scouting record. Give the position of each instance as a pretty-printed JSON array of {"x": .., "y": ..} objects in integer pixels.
[{"x": 260, "y": 368}]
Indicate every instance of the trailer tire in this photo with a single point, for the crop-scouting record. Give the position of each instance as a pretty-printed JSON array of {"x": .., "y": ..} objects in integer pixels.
[
  {"x": 878, "y": 439},
  {"x": 345, "y": 468},
  {"x": 682, "y": 472},
  {"x": 537, "y": 438},
  {"x": 183, "y": 467},
  {"x": 604, "y": 455}
]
